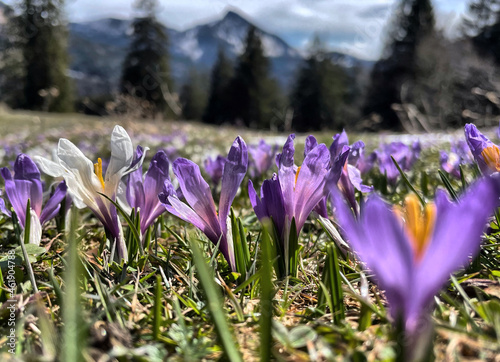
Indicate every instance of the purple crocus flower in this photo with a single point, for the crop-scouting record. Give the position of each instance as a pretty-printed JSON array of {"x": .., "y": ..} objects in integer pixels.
[
  {"x": 87, "y": 183},
  {"x": 458, "y": 155},
  {"x": 350, "y": 176},
  {"x": 262, "y": 157},
  {"x": 27, "y": 184},
  {"x": 404, "y": 156},
  {"x": 292, "y": 194},
  {"x": 420, "y": 253},
  {"x": 214, "y": 168},
  {"x": 200, "y": 209},
  {"x": 485, "y": 152},
  {"x": 142, "y": 190}
]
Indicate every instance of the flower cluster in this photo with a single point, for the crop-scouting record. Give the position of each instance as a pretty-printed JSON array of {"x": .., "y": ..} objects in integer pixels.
[{"x": 401, "y": 245}]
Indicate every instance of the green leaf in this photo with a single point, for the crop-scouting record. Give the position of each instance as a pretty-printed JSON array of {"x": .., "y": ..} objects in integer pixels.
[
  {"x": 300, "y": 336},
  {"x": 157, "y": 308},
  {"x": 447, "y": 184},
  {"x": 266, "y": 295},
  {"x": 407, "y": 181},
  {"x": 215, "y": 306},
  {"x": 293, "y": 250},
  {"x": 31, "y": 249}
]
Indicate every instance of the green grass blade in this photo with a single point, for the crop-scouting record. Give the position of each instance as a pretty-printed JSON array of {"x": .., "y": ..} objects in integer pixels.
[
  {"x": 293, "y": 250},
  {"x": 447, "y": 184},
  {"x": 157, "y": 308},
  {"x": 72, "y": 346},
  {"x": 266, "y": 297},
  {"x": 407, "y": 182},
  {"x": 215, "y": 306},
  {"x": 27, "y": 226}
]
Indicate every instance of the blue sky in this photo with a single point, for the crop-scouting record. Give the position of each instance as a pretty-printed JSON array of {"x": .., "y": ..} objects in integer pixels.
[{"x": 355, "y": 27}]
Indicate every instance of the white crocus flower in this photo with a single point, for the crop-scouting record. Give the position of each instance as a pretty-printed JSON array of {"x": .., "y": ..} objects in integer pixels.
[{"x": 86, "y": 183}]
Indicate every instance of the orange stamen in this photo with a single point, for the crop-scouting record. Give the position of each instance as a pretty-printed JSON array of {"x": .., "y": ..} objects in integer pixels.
[
  {"x": 98, "y": 171},
  {"x": 419, "y": 224},
  {"x": 297, "y": 176},
  {"x": 491, "y": 156}
]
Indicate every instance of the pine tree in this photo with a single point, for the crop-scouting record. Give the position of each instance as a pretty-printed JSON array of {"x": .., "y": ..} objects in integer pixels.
[
  {"x": 253, "y": 93},
  {"x": 482, "y": 24},
  {"x": 12, "y": 70},
  {"x": 319, "y": 92},
  {"x": 413, "y": 22},
  {"x": 44, "y": 34},
  {"x": 193, "y": 96},
  {"x": 145, "y": 72},
  {"x": 217, "y": 109}
]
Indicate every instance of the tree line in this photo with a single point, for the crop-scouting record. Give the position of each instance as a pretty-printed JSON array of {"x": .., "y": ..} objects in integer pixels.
[{"x": 423, "y": 81}]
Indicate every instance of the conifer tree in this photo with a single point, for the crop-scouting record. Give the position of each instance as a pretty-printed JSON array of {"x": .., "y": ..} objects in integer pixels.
[
  {"x": 253, "y": 93},
  {"x": 413, "y": 22},
  {"x": 217, "y": 109},
  {"x": 319, "y": 92},
  {"x": 12, "y": 72},
  {"x": 145, "y": 72},
  {"x": 44, "y": 38},
  {"x": 482, "y": 24},
  {"x": 193, "y": 96}
]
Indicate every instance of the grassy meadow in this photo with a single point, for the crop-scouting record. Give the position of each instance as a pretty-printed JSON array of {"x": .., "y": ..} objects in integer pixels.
[{"x": 177, "y": 298}]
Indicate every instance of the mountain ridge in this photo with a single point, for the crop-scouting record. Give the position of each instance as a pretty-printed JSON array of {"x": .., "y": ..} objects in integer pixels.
[{"x": 97, "y": 49}]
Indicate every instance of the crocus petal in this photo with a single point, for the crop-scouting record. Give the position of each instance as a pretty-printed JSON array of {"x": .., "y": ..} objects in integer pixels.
[
  {"x": 262, "y": 156},
  {"x": 477, "y": 143},
  {"x": 18, "y": 193},
  {"x": 272, "y": 198},
  {"x": 49, "y": 167},
  {"x": 311, "y": 142},
  {"x": 310, "y": 183},
  {"x": 286, "y": 174},
  {"x": 135, "y": 189},
  {"x": 379, "y": 230},
  {"x": 258, "y": 206},
  {"x": 134, "y": 194},
  {"x": 347, "y": 188},
  {"x": 339, "y": 141},
  {"x": 338, "y": 164},
  {"x": 215, "y": 168},
  {"x": 355, "y": 179},
  {"x": 235, "y": 169},
  {"x": 154, "y": 180},
  {"x": 196, "y": 191},
  {"x": 321, "y": 208},
  {"x": 26, "y": 170},
  {"x": 3, "y": 209},
  {"x": 53, "y": 205},
  {"x": 357, "y": 149},
  {"x": 451, "y": 247},
  {"x": 35, "y": 228},
  {"x": 122, "y": 154},
  {"x": 138, "y": 156},
  {"x": 81, "y": 180},
  {"x": 177, "y": 208},
  {"x": 385, "y": 233}
]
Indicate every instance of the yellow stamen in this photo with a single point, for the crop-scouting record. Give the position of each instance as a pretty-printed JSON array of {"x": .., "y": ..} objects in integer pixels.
[
  {"x": 419, "y": 224},
  {"x": 98, "y": 171},
  {"x": 491, "y": 156},
  {"x": 297, "y": 176}
]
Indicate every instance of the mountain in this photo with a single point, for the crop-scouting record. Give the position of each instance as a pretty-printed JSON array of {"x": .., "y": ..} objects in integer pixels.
[{"x": 97, "y": 50}]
